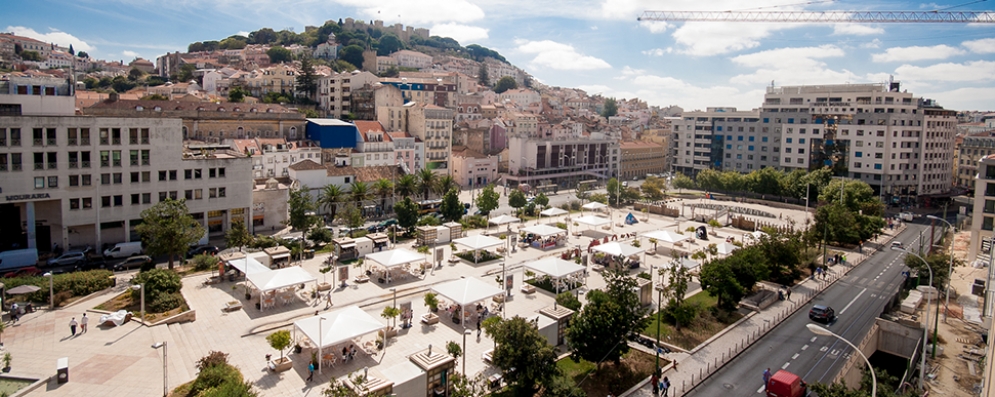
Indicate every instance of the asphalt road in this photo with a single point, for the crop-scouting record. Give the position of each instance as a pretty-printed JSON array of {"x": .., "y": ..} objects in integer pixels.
[{"x": 857, "y": 298}]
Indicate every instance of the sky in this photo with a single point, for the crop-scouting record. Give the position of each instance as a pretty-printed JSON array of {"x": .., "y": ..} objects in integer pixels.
[{"x": 595, "y": 45}]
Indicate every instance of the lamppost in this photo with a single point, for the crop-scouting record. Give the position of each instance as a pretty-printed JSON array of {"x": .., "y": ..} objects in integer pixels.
[
  {"x": 925, "y": 330},
  {"x": 141, "y": 287},
  {"x": 950, "y": 269},
  {"x": 815, "y": 329},
  {"x": 394, "y": 304},
  {"x": 51, "y": 295},
  {"x": 465, "y": 333},
  {"x": 320, "y": 319},
  {"x": 165, "y": 374},
  {"x": 659, "y": 300}
]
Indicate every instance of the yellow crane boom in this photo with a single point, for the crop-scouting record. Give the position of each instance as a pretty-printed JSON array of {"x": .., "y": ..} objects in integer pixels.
[{"x": 824, "y": 16}]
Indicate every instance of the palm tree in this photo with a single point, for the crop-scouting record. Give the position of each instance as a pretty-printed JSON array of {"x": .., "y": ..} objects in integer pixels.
[
  {"x": 383, "y": 188},
  {"x": 331, "y": 195},
  {"x": 426, "y": 182},
  {"x": 359, "y": 192},
  {"x": 406, "y": 185},
  {"x": 445, "y": 184}
]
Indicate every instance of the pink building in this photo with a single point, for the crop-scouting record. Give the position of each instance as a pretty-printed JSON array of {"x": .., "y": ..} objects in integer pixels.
[{"x": 473, "y": 170}]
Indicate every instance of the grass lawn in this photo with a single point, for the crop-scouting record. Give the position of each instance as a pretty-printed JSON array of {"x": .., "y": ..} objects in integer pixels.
[
  {"x": 698, "y": 331},
  {"x": 610, "y": 379},
  {"x": 124, "y": 302}
]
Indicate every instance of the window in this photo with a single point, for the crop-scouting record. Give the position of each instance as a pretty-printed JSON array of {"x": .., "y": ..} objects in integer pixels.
[
  {"x": 87, "y": 203},
  {"x": 116, "y": 136},
  {"x": 198, "y": 194},
  {"x": 86, "y": 179},
  {"x": 188, "y": 194},
  {"x": 117, "y": 178},
  {"x": 136, "y": 199},
  {"x": 133, "y": 156},
  {"x": 162, "y": 175},
  {"x": 118, "y": 200},
  {"x": 801, "y": 141},
  {"x": 212, "y": 172},
  {"x": 858, "y": 154},
  {"x": 145, "y": 157},
  {"x": 750, "y": 148},
  {"x": 104, "y": 136},
  {"x": 212, "y": 193},
  {"x": 134, "y": 177},
  {"x": 221, "y": 192},
  {"x": 146, "y": 176},
  {"x": 145, "y": 136},
  {"x": 196, "y": 173},
  {"x": 162, "y": 196},
  {"x": 105, "y": 201},
  {"x": 787, "y": 140},
  {"x": 53, "y": 181},
  {"x": 146, "y": 198},
  {"x": 74, "y": 204},
  {"x": 877, "y": 166},
  {"x": 172, "y": 175},
  {"x": 105, "y": 179},
  {"x": 73, "y": 180},
  {"x": 39, "y": 182},
  {"x": 187, "y": 174},
  {"x": 801, "y": 160}
]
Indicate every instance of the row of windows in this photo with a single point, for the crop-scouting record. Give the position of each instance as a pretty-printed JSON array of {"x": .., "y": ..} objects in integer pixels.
[
  {"x": 74, "y": 136},
  {"x": 144, "y": 198}
]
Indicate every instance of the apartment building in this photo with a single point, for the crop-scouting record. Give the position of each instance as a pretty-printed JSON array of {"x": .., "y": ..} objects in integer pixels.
[
  {"x": 280, "y": 79},
  {"x": 973, "y": 149},
  {"x": 720, "y": 138},
  {"x": 426, "y": 90},
  {"x": 365, "y": 100},
  {"x": 85, "y": 180},
  {"x": 521, "y": 96},
  {"x": 473, "y": 170},
  {"x": 335, "y": 91},
  {"x": 433, "y": 125},
  {"x": 272, "y": 157},
  {"x": 375, "y": 148},
  {"x": 640, "y": 158},
  {"x": 411, "y": 59},
  {"x": 563, "y": 160}
]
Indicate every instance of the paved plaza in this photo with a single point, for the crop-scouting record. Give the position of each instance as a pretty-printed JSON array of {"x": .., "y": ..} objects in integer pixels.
[{"x": 120, "y": 360}]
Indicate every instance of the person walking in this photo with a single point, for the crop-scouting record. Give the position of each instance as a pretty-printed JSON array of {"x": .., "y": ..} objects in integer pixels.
[
  {"x": 655, "y": 381},
  {"x": 13, "y": 312},
  {"x": 789, "y": 293},
  {"x": 328, "y": 300},
  {"x": 767, "y": 376},
  {"x": 72, "y": 325},
  {"x": 478, "y": 327},
  {"x": 665, "y": 386},
  {"x": 82, "y": 323},
  {"x": 310, "y": 370}
]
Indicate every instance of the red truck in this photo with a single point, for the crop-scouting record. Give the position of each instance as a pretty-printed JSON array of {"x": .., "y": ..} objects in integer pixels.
[{"x": 786, "y": 384}]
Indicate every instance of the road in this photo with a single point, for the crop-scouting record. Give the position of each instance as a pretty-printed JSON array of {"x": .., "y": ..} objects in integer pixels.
[{"x": 857, "y": 298}]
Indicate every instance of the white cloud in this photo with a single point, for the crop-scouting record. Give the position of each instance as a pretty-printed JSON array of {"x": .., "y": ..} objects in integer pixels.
[
  {"x": 129, "y": 54},
  {"x": 872, "y": 44},
  {"x": 658, "y": 52},
  {"x": 417, "y": 12},
  {"x": 966, "y": 98},
  {"x": 948, "y": 72},
  {"x": 656, "y": 26},
  {"x": 792, "y": 66},
  {"x": 854, "y": 29},
  {"x": 242, "y": 33},
  {"x": 54, "y": 36},
  {"x": 462, "y": 33},
  {"x": 916, "y": 53},
  {"x": 781, "y": 56},
  {"x": 981, "y": 46},
  {"x": 559, "y": 56},
  {"x": 714, "y": 38}
]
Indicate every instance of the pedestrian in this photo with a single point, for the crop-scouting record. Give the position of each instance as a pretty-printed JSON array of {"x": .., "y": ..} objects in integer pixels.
[
  {"x": 310, "y": 370},
  {"x": 478, "y": 327},
  {"x": 767, "y": 376},
  {"x": 666, "y": 386},
  {"x": 675, "y": 364},
  {"x": 72, "y": 325},
  {"x": 82, "y": 323},
  {"x": 789, "y": 293},
  {"x": 13, "y": 312},
  {"x": 655, "y": 381},
  {"x": 328, "y": 300}
]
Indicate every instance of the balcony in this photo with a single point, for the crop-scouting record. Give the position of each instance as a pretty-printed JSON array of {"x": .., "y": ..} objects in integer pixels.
[
  {"x": 134, "y": 163},
  {"x": 53, "y": 166},
  {"x": 73, "y": 164},
  {"x": 3, "y": 167},
  {"x": 133, "y": 141},
  {"x": 105, "y": 163},
  {"x": 51, "y": 142},
  {"x": 15, "y": 142},
  {"x": 37, "y": 142},
  {"x": 15, "y": 166},
  {"x": 104, "y": 141},
  {"x": 84, "y": 141},
  {"x": 72, "y": 141},
  {"x": 146, "y": 162},
  {"x": 145, "y": 141},
  {"x": 39, "y": 166},
  {"x": 117, "y": 141},
  {"x": 117, "y": 163},
  {"x": 86, "y": 164}
]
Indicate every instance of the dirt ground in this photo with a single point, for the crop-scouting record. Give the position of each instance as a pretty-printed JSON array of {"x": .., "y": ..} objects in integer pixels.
[{"x": 959, "y": 339}]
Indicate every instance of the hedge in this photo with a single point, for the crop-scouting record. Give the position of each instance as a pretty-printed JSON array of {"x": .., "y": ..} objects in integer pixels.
[{"x": 78, "y": 283}]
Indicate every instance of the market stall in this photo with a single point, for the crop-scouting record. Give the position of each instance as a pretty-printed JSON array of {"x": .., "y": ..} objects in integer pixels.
[
  {"x": 341, "y": 327},
  {"x": 462, "y": 293},
  {"x": 396, "y": 264},
  {"x": 565, "y": 274},
  {"x": 477, "y": 243},
  {"x": 619, "y": 254},
  {"x": 279, "y": 286},
  {"x": 544, "y": 236}
]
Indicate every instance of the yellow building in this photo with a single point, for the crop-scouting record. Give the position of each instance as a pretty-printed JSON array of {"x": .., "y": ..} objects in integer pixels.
[{"x": 640, "y": 158}]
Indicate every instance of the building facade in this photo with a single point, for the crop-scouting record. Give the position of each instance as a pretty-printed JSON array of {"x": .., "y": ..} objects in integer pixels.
[
  {"x": 640, "y": 158},
  {"x": 972, "y": 150}
]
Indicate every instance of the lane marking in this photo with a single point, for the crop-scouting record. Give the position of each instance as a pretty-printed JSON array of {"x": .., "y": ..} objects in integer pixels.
[
  {"x": 813, "y": 339},
  {"x": 853, "y": 300},
  {"x": 804, "y": 347},
  {"x": 785, "y": 366},
  {"x": 795, "y": 356}
]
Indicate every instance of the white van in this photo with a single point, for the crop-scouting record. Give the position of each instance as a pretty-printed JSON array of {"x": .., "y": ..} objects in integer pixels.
[
  {"x": 16, "y": 259},
  {"x": 124, "y": 250}
]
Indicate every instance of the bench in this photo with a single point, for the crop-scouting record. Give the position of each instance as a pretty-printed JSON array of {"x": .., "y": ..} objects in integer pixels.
[{"x": 233, "y": 306}]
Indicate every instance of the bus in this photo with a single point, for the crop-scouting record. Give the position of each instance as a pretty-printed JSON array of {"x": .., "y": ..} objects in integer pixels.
[{"x": 429, "y": 206}]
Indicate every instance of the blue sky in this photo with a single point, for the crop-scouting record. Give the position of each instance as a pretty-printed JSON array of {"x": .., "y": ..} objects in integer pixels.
[{"x": 596, "y": 45}]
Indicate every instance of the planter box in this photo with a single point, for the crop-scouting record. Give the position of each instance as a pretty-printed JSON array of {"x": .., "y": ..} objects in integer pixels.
[
  {"x": 528, "y": 289},
  {"x": 429, "y": 319},
  {"x": 361, "y": 279},
  {"x": 391, "y": 332},
  {"x": 281, "y": 364},
  {"x": 233, "y": 306},
  {"x": 324, "y": 286}
]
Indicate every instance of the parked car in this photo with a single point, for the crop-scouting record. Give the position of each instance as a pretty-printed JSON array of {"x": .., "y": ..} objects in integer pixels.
[
  {"x": 28, "y": 271},
  {"x": 387, "y": 223},
  {"x": 204, "y": 249},
  {"x": 820, "y": 313},
  {"x": 68, "y": 258},
  {"x": 92, "y": 264},
  {"x": 896, "y": 244},
  {"x": 134, "y": 262}
]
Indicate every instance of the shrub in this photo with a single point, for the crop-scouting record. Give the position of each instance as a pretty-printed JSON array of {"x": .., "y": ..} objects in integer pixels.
[
  {"x": 204, "y": 262},
  {"x": 575, "y": 205},
  {"x": 644, "y": 275},
  {"x": 264, "y": 242},
  {"x": 78, "y": 283},
  {"x": 212, "y": 377},
  {"x": 321, "y": 235},
  {"x": 61, "y": 297},
  {"x": 231, "y": 389},
  {"x": 568, "y": 300},
  {"x": 428, "y": 220},
  {"x": 164, "y": 302},
  {"x": 474, "y": 222},
  {"x": 157, "y": 281},
  {"x": 213, "y": 358}
]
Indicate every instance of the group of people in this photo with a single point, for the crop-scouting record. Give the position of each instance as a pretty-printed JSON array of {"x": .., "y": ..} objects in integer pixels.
[
  {"x": 348, "y": 353},
  {"x": 660, "y": 386},
  {"x": 82, "y": 324}
]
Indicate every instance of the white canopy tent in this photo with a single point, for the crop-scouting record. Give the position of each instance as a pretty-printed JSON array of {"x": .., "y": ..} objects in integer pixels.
[
  {"x": 592, "y": 220},
  {"x": 544, "y": 230},
  {"x": 553, "y": 211},
  {"x": 394, "y": 257},
  {"x": 466, "y": 291},
  {"x": 665, "y": 236},
  {"x": 280, "y": 278},
  {"x": 339, "y": 326},
  {"x": 618, "y": 249},
  {"x": 477, "y": 243},
  {"x": 503, "y": 219},
  {"x": 725, "y": 248},
  {"x": 689, "y": 263},
  {"x": 248, "y": 265},
  {"x": 556, "y": 268},
  {"x": 593, "y": 206}
]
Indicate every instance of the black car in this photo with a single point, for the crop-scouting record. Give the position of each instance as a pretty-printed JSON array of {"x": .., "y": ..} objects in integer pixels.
[
  {"x": 820, "y": 313},
  {"x": 204, "y": 249},
  {"x": 134, "y": 262}
]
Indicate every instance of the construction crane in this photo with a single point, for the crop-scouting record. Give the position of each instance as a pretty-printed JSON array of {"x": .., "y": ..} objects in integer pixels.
[{"x": 823, "y": 16}]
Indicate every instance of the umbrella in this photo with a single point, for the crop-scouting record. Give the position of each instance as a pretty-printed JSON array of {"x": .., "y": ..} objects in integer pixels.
[{"x": 24, "y": 289}]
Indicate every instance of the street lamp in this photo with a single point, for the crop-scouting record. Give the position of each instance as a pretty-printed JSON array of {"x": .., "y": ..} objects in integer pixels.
[
  {"x": 165, "y": 383},
  {"x": 51, "y": 295},
  {"x": 659, "y": 300},
  {"x": 465, "y": 333},
  {"x": 141, "y": 287},
  {"x": 394, "y": 304},
  {"x": 815, "y": 329},
  {"x": 950, "y": 269},
  {"x": 320, "y": 319},
  {"x": 925, "y": 330}
]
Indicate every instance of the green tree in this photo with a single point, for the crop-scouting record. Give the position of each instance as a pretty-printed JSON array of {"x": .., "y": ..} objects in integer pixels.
[
  {"x": 610, "y": 108},
  {"x": 90, "y": 82},
  {"x": 581, "y": 191},
  {"x": 232, "y": 43},
  {"x": 516, "y": 199},
  {"x": 482, "y": 77},
  {"x": 445, "y": 184},
  {"x": 857, "y": 196},
  {"x": 262, "y": 36},
  {"x": 541, "y": 200},
  {"x": 279, "y": 340},
  {"x": 630, "y": 195},
  {"x": 673, "y": 292},
  {"x": 155, "y": 97},
  {"x": 568, "y": 300},
  {"x": 237, "y": 94},
  {"x": 353, "y": 54},
  {"x": 653, "y": 188},
  {"x": 307, "y": 79},
  {"x": 598, "y": 332},
  {"x": 351, "y": 216},
  {"x": 452, "y": 209},
  {"x": 407, "y": 213},
  {"x": 300, "y": 208},
  {"x": 938, "y": 262},
  {"x": 766, "y": 181},
  {"x": 719, "y": 281},
  {"x": 82, "y": 54},
  {"x": 504, "y": 84},
  {"x": 389, "y": 44},
  {"x": 709, "y": 180},
  {"x": 523, "y": 355},
  {"x": 681, "y": 182},
  {"x": 279, "y": 54},
  {"x": 134, "y": 74},
  {"x": 613, "y": 188},
  {"x": 237, "y": 235},
  {"x": 122, "y": 84},
  {"x": 330, "y": 198},
  {"x": 487, "y": 201},
  {"x": 186, "y": 72},
  {"x": 168, "y": 229},
  {"x": 383, "y": 188},
  {"x": 359, "y": 192},
  {"x": 31, "y": 56},
  {"x": 426, "y": 182},
  {"x": 406, "y": 185}
]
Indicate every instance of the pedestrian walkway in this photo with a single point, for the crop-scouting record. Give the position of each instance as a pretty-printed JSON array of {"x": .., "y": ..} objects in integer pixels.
[{"x": 693, "y": 367}]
